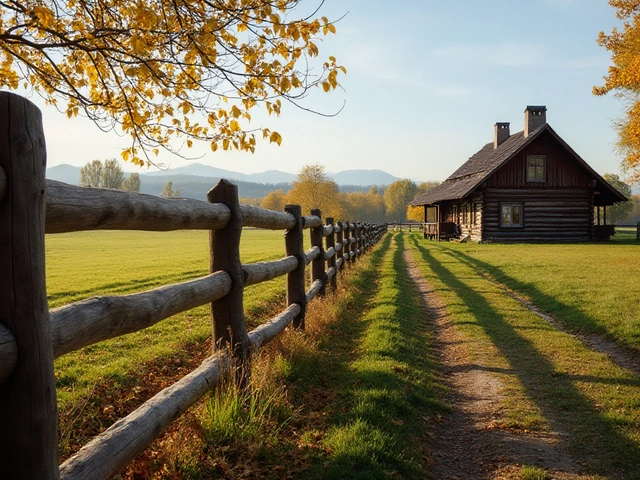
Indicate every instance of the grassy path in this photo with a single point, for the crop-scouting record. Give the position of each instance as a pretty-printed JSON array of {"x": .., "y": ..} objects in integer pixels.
[{"x": 552, "y": 382}]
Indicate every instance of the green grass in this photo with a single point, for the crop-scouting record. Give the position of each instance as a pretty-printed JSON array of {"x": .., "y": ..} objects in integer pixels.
[
  {"x": 380, "y": 368},
  {"x": 591, "y": 288},
  {"x": 351, "y": 397},
  {"x": 529, "y": 472},
  {"x": 552, "y": 380},
  {"x": 82, "y": 265}
]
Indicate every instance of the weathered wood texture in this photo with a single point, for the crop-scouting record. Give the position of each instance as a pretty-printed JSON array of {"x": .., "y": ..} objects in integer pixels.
[
  {"x": 330, "y": 254},
  {"x": 71, "y": 209},
  {"x": 339, "y": 246},
  {"x": 559, "y": 215},
  {"x": 314, "y": 290},
  {"x": 268, "y": 331},
  {"x": 317, "y": 265},
  {"x": 3, "y": 183},
  {"x": 28, "y": 423},
  {"x": 112, "y": 450},
  {"x": 8, "y": 353},
  {"x": 346, "y": 243},
  {"x": 228, "y": 312},
  {"x": 311, "y": 222},
  {"x": 562, "y": 171},
  {"x": 84, "y": 323},
  {"x": 261, "y": 218},
  {"x": 264, "y": 271},
  {"x": 295, "y": 280},
  {"x": 311, "y": 254}
]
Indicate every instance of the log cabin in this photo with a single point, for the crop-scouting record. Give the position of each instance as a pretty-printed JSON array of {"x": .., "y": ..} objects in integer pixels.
[{"x": 527, "y": 187}]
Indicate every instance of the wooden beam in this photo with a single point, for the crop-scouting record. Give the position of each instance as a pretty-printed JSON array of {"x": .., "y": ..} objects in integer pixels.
[{"x": 29, "y": 421}]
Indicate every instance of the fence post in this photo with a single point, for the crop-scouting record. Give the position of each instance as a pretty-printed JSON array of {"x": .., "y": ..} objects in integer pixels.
[
  {"x": 331, "y": 243},
  {"x": 228, "y": 312},
  {"x": 295, "y": 280},
  {"x": 28, "y": 422},
  {"x": 347, "y": 243},
  {"x": 356, "y": 246},
  {"x": 339, "y": 239},
  {"x": 317, "y": 265}
]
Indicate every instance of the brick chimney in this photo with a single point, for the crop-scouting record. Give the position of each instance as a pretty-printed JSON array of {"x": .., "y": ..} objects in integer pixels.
[
  {"x": 534, "y": 117},
  {"x": 501, "y": 134}
]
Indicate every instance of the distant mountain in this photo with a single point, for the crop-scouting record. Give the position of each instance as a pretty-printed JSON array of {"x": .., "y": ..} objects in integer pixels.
[
  {"x": 363, "y": 177},
  {"x": 199, "y": 170},
  {"x": 195, "y": 180},
  {"x": 271, "y": 176},
  {"x": 64, "y": 173}
]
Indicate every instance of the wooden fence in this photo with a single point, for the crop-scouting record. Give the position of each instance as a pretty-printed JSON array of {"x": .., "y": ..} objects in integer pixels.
[{"x": 31, "y": 336}]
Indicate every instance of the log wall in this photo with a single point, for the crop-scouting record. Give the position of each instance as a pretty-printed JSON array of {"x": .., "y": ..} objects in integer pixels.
[{"x": 549, "y": 215}]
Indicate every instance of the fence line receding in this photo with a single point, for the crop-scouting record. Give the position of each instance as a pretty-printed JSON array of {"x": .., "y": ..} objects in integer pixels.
[{"x": 31, "y": 336}]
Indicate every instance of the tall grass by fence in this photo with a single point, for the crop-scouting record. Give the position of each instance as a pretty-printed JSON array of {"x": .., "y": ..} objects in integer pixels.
[{"x": 31, "y": 336}]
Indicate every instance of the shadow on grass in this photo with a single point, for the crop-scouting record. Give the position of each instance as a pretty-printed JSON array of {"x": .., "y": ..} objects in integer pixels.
[
  {"x": 572, "y": 317},
  {"x": 594, "y": 437},
  {"x": 383, "y": 378}
]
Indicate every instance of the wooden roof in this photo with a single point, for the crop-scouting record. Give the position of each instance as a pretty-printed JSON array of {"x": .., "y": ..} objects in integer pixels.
[{"x": 487, "y": 160}]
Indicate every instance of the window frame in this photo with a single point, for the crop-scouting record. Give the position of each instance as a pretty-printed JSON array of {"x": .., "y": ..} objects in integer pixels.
[
  {"x": 536, "y": 178},
  {"x": 511, "y": 205}
]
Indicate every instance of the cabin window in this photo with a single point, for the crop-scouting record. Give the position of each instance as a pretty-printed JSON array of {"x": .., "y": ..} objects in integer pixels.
[
  {"x": 536, "y": 171},
  {"x": 511, "y": 215}
]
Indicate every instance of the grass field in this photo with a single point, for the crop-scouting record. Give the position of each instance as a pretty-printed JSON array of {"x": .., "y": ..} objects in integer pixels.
[
  {"x": 552, "y": 380},
  {"x": 591, "y": 288},
  {"x": 348, "y": 395},
  {"x": 82, "y": 265}
]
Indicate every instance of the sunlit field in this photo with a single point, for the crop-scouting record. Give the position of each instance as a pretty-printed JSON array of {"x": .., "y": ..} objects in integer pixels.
[
  {"x": 552, "y": 380},
  {"x": 83, "y": 265}
]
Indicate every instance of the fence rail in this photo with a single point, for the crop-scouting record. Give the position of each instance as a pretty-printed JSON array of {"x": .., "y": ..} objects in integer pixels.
[{"x": 31, "y": 336}]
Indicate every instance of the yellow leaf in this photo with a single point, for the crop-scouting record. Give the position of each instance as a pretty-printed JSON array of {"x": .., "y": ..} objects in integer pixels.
[
  {"x": 275, "y": 138},
  {"x": 189, "y": 143},
  {"x": 235, "y": 126},
  {"x": 325, "y": 86}
]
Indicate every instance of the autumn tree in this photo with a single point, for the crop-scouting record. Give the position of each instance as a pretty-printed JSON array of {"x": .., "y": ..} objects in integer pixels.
[
  {"x": 91, "y": 174},
  {"x": 169, "y": 192},
  {"x": 102, "y": 175},
  {"x": 397, "y": 196},
  {"x": 275, "y": 200},
  {"x": 624, "y": 79},
  {"x": 112, "y": 174},
  {"x": 158, "y": 69},
  {"x": 619, "y": 212},
  {"x": 417, "y": 213},
  {"x": 132, "y": 184},
  {"x": 366, "y": 207},
  {"x": 314, "y": 189}
]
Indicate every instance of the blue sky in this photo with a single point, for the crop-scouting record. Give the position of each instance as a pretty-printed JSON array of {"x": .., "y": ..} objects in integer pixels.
[{"x": 426, "y": 82}]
